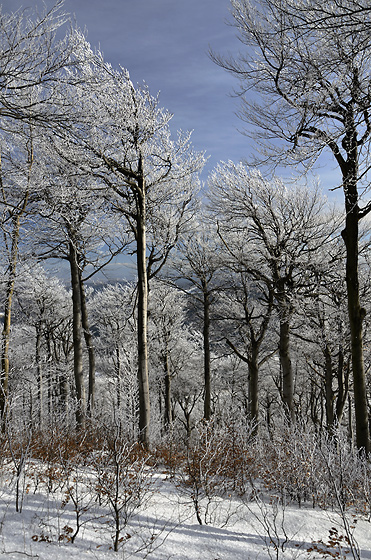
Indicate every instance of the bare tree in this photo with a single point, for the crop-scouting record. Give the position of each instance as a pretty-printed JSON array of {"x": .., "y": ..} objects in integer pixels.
[{"x": 313, "y": 84}]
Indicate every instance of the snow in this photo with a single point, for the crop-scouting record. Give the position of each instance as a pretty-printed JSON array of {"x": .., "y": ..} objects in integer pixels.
[{"x": 167, "y": 529}]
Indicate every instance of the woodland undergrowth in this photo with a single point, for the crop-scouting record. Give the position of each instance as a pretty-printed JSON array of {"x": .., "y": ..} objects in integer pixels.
[{"x": 99, "y": 478}]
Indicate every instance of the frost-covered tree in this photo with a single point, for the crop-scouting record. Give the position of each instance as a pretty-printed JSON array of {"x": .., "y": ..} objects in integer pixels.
[
  {"x": 246, "y": 309},
  {"x": 112, "y": 311},
  {"x": 33, "y": 60},
  {"x": 197, "y": 268},
  {"x": 309, "y": 64},
  {"x": 33, "y": 64},
  {"x": 168, "y": 331},
  {"x": 43, "y": 313},
  {"x": 72, "y": 223},
  {"x": 273, "y": 233},
  {"x": 324, "y": 330},
  {"x": 17, "y": 187},
  {"x": 148, "y": 179}
]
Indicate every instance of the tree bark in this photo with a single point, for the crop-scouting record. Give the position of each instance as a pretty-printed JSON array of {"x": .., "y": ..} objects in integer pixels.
[
  {"x": 329, "y": 392},
  {"x": 343, "y": 384},
  {"x": 254, "y": 384},
  {"x": 90, "y": 348},
  {"x": 143, "y": 381},
  {"x": 77, "y": 338},
  {"x": 286, "y": 367},
  {"x": 40, "y": 381},
  {"x": 168, "y": 417},
  {"x": 207, "y": 366},
  {"x": 356, "y": 315},
  {"x": 7, "y": 318}
]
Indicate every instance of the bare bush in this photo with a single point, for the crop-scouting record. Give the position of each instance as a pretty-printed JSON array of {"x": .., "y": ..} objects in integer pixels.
[
  {"x": 122, "y": 482},
  {"x": 210, "y": 472}
]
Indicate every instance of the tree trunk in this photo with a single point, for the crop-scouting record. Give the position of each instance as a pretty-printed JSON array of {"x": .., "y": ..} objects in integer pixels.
[
  {"x": 329, "y": 392},
  {"x": 90, "y": 347},
  {"x": 356, "y": 313},
  {"x": 286, "y": 367},
  {"x": 118, "y": 379},
  {"x": 40, "y": 381},
  {"x": 143, "y": 381},
  {"x": 207, "y": 367},
  {"x": 16, "y": 223},
  {"x": 7, "y": 317},
  {"x": 254, "y": 386},
  {"x": 343, "y": 384},
  {"x": 77, "y": 337},
  {"x": 168, "y": 417}
]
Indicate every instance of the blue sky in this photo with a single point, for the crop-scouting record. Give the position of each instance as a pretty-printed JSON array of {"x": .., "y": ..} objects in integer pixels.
[{"x": 165, "y": 43}]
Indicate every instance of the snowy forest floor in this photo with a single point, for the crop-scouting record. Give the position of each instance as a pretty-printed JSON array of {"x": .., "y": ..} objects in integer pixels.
[
  {"x": 223, "y": 494},
  {"x": 166, "y": 528}
]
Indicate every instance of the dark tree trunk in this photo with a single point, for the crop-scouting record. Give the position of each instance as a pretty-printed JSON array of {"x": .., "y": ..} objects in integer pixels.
[
  {"x": 207, "y": 365},
  {"x": 77, "y": 337},
  {"x": 329, "y": 392},
  {"x": 286, "y": 368},
  {"x": 343, "y": 384},
  {"x": 168, "y": 416},
  {"x": 40, "y": 381},
  {"x": 90, "y": 348},
  {"x": 254, "y": 384},
  {"x": 356, "y": 313}
]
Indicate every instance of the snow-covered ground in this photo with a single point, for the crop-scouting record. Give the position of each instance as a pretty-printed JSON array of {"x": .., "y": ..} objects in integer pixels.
[{"x": 167, "y": 529}]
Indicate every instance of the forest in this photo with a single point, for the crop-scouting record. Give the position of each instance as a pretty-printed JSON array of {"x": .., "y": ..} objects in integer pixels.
[{"x": 234, "y": 354}]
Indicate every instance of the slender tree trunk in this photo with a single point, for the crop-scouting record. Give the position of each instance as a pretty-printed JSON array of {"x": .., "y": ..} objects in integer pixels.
[
  {"x": 118, "y": 378},
  {"x": 16, "y": 223},
  {"x": 5, "y": 348},
  {"x": 90, "y": 348},
  {"x": 40, "y": 381},
  {"x": 143, "y": 381},
  {"x": 168, "y": 417},
  {"x": 350, "y": 419},
  {"x": 187, "y": 416},
  {"x": 343, "y": 384},
  {"x": 7, "y": 317},
  {"x": 329, "y": 392},
  {"x": 254, "y": 385},
  {"x": 207, "y": 365},
  {"x": 356, "y": 313},
  {"x": 77, "y": 337},
  {"x": 64, "y": 394},
  {"x": 286, "y": 366},
  {"x": 313, "y": 401}
]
